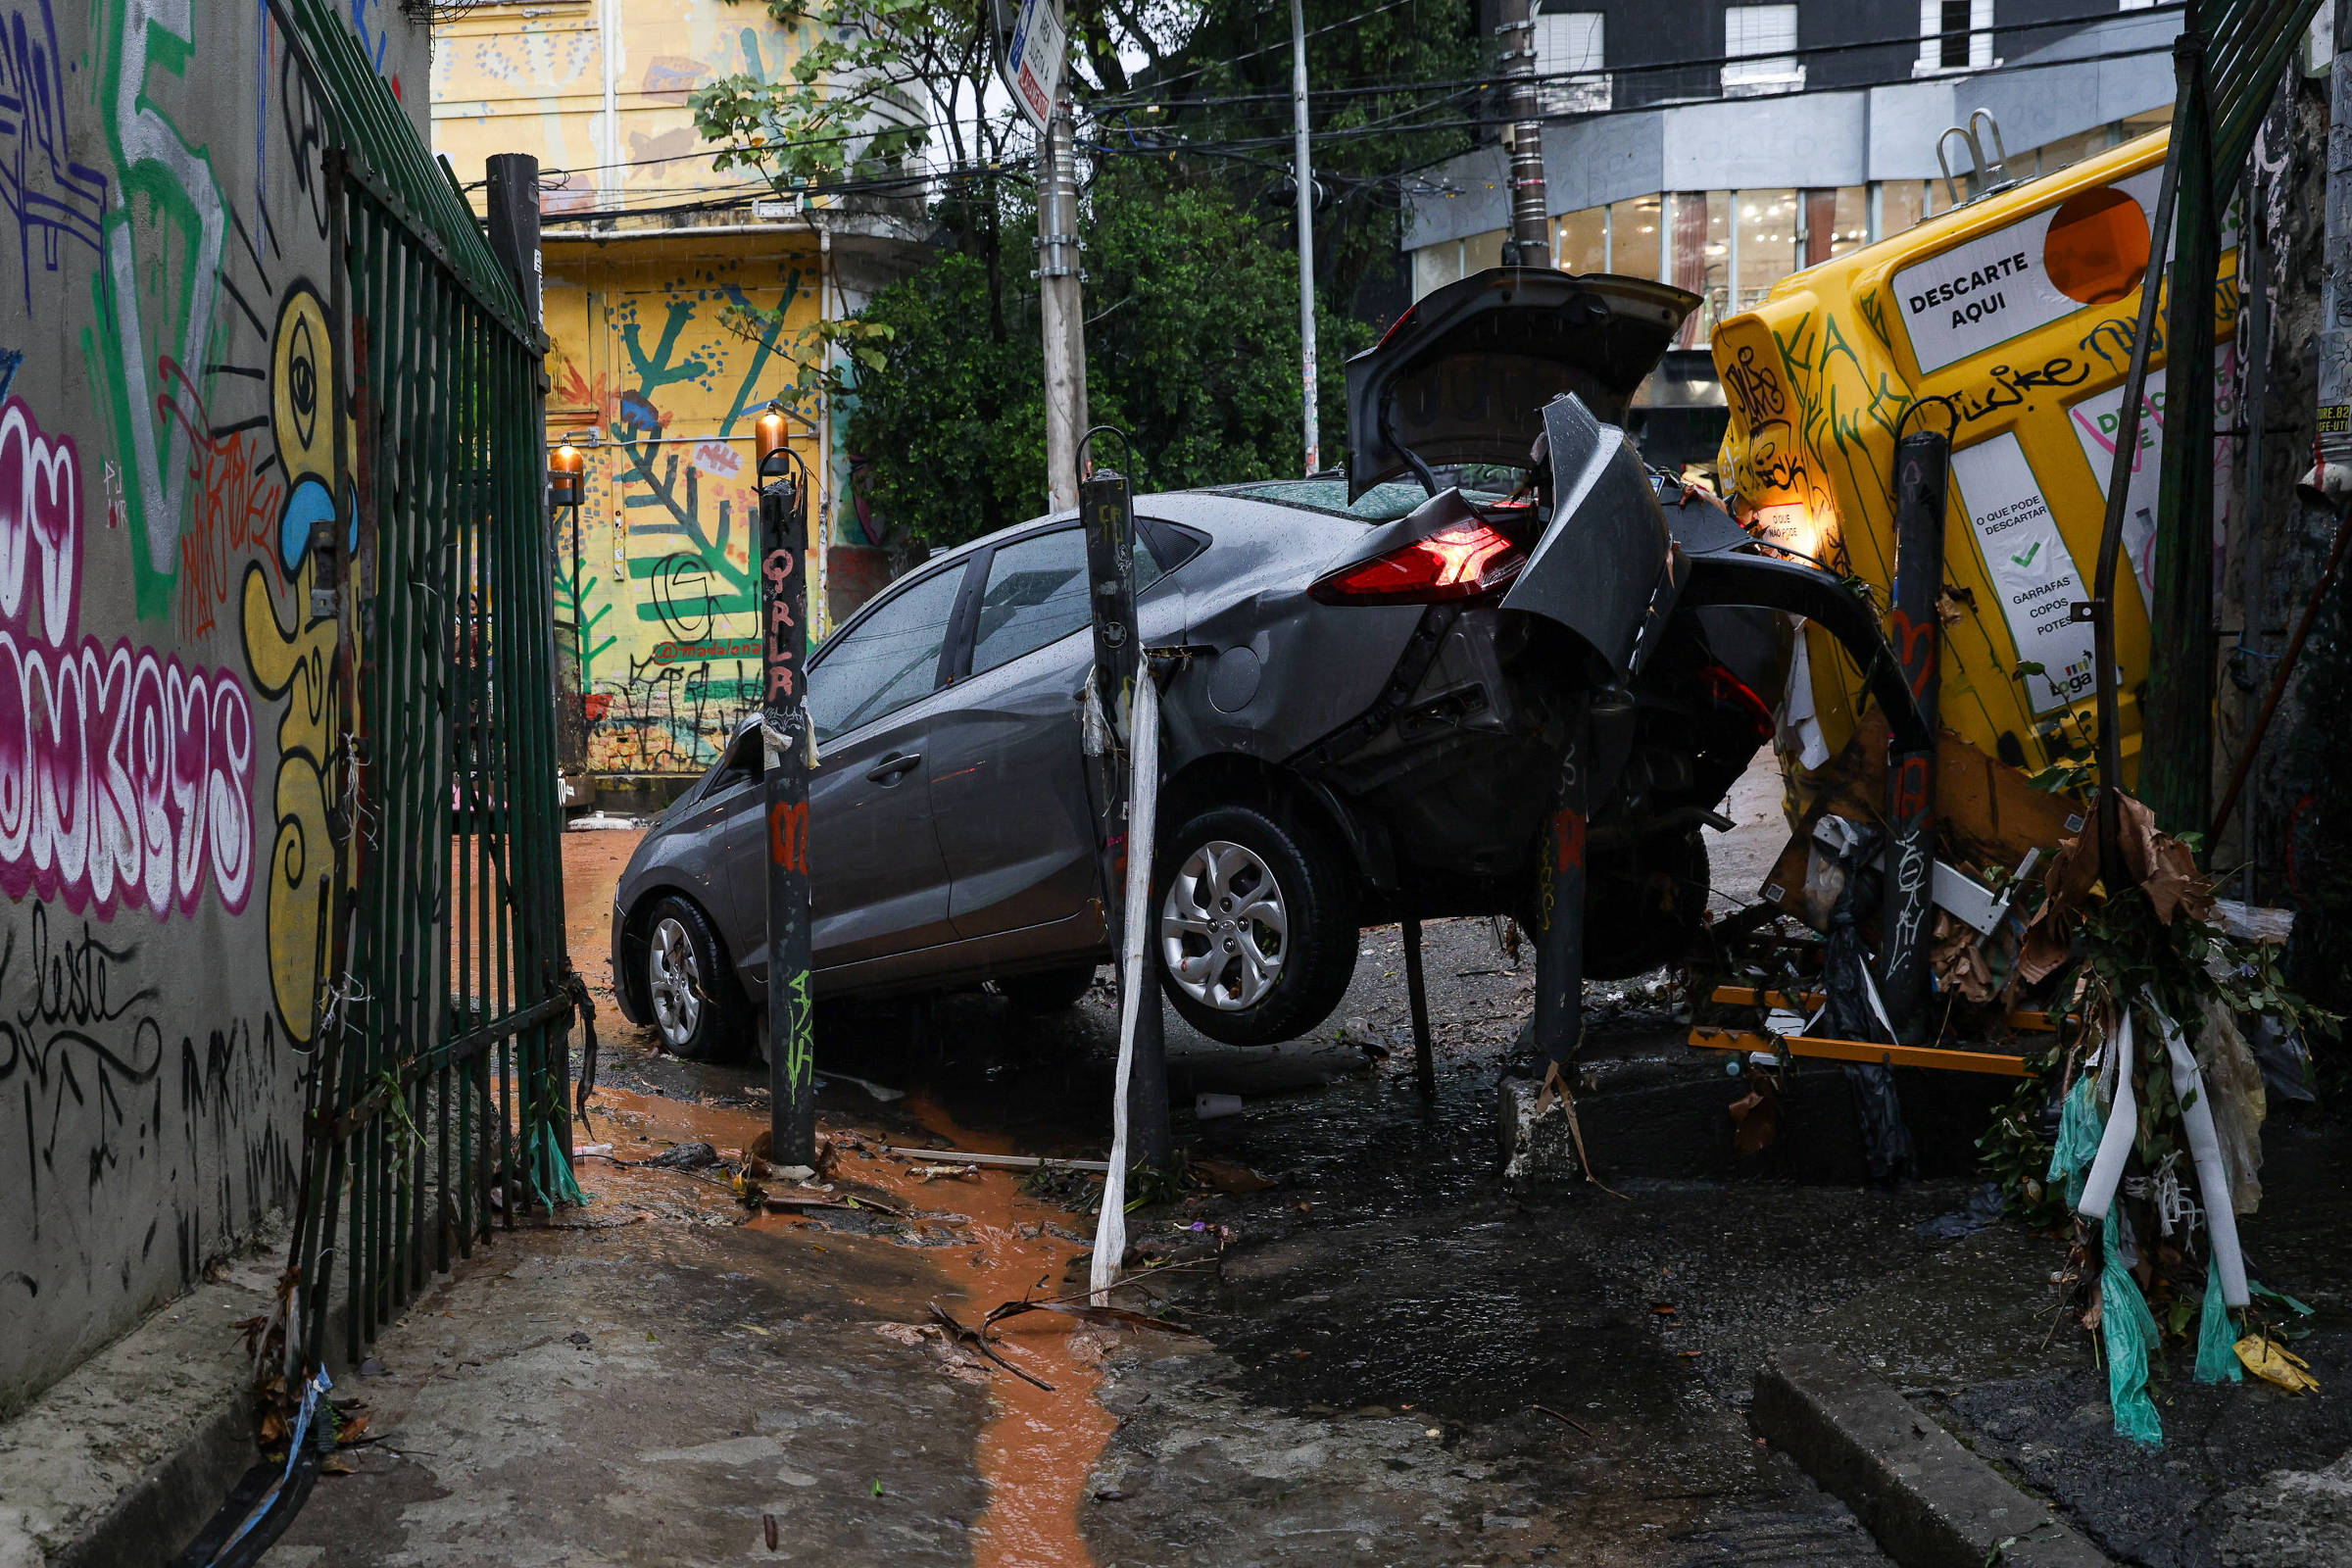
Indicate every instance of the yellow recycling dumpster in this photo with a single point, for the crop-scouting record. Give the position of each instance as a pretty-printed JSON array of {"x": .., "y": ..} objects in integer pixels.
[{"x": 2019, "y": 308}]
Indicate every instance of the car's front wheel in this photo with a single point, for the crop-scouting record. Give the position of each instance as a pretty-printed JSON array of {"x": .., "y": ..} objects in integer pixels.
[
  {"x": 1258, "y": 923},
  {"x": 693, "y": 1000}
]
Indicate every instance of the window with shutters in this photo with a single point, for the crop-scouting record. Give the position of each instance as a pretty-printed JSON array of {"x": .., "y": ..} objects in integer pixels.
[
  {"x": 1760, "y": 42},
  {"x": 1569, "y": 56},
  {"x": 1954, "y": 36}
]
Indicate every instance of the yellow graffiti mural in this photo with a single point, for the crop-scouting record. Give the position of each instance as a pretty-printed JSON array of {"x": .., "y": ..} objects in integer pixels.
[
  {"x": 291, "y": 656},
  {"x": 295, "y": 664}
]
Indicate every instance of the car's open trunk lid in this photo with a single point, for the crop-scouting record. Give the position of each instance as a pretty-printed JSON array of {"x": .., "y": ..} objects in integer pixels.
[{"x": 1463, "y": 375}]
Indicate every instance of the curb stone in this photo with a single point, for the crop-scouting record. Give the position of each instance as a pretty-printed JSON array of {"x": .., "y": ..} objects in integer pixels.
[{"x": 1928, "y": 1502}]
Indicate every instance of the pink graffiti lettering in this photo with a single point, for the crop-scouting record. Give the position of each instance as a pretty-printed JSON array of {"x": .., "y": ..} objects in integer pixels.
[{"x": 125, "y": 778}]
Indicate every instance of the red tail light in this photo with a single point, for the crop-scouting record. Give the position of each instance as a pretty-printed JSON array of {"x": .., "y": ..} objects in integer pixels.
[
  {"x": 1460, "y": 563},
  {"x": 1730, "y": 691}
]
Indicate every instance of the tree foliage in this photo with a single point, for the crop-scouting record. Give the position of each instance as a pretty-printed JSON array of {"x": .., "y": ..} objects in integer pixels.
[
  {"x": 1192, "y": 347},
  {"x": 1187, "y": 214}
]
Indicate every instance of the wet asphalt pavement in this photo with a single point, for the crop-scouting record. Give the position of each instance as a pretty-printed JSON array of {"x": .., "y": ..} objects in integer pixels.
[{"x": 1397, "y": 1360}]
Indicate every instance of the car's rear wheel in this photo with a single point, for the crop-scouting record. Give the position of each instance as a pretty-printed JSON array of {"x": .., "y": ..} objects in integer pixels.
[
  {"x": 1258, "y": 923},
  {"x": 691, "y": 998},
  {"x": 1047, "y": 990}
]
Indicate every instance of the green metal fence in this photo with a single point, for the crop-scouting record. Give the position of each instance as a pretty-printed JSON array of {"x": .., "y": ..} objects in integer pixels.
[{"x": 438, "y": 1097}]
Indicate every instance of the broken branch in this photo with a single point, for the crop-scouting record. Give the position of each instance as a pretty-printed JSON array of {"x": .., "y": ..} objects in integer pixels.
[{"x": 972, "y": 1337}]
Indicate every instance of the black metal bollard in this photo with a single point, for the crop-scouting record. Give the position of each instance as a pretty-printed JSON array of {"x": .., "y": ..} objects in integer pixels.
[
  {"x": 784, "y": 777},
  {"x": 1106, "y": 512},
  {"x": 1922, "y": 462},
  {"x": 1416, "y": 995},
  {"x": 1559, "y": 1018}
]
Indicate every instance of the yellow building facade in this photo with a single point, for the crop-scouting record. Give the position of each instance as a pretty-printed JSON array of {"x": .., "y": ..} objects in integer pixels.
[{"x": 678, "y": 301}]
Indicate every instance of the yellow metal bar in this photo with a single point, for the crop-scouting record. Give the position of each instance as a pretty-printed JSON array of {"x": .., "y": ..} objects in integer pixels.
[
  {"x": 1986, "y": 1061},
  {"x": 2038, "y": 1023}
]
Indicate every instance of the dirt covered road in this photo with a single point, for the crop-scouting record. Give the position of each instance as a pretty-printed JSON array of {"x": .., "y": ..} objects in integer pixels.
[{"x": 1392, "y": 1359}]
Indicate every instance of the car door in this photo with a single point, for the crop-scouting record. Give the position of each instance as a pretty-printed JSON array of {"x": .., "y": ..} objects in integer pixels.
[
  {"x": 1009, "y": 785},
  {"x": 878, "y": 885}
]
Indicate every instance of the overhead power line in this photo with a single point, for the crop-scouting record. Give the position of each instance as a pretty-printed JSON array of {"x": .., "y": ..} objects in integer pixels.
[
  {"x": 1137, "y": 144},
  {"x": 1129, "y": 102}
]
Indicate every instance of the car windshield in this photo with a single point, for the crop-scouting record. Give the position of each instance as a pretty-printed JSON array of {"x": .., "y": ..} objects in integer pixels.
[{"x": 1383, "y": 503}]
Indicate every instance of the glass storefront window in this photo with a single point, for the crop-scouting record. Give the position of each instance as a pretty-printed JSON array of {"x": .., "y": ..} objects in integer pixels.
[
  {"x": 1902, "y": 203},
  {"x": 1581, "y": 241},
  {"x": 1482, "y": 251},
  {"x": 1850, "y": 220},
  {"x": 1767, "y": 226},
  {"x": 1634, "y": 237}
]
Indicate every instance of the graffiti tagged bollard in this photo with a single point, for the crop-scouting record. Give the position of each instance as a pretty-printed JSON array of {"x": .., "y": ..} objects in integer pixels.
[
  {"x": 1921, "y": 462},
  {"x": 784, "y": 776},
  {"x": 1107, "y": 517}
]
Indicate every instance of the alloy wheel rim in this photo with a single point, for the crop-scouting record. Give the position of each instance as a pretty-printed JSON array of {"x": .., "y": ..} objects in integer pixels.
[
  {"x": 675, "y": 978},
  {"x": 1224, "y": 927}
]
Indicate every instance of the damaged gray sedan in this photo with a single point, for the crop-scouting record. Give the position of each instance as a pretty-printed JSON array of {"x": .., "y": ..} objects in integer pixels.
[{"x": 1370, "y": 724}]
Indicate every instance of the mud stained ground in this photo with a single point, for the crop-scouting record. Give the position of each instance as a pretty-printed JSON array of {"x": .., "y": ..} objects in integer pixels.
[{"x": 1394, "y": 1360}]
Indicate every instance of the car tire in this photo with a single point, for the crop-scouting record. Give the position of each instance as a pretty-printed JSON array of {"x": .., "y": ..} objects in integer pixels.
[
  {"x": 1255, "y": 931},
  {"x": 695, "y": 1009},
  {"x": 1047, "y": 990}
]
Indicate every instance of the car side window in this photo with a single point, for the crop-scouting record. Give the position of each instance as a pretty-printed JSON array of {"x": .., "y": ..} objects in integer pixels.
[
  {"x": 1035, "y": 594},
  {"x": 885, "y": 662}
]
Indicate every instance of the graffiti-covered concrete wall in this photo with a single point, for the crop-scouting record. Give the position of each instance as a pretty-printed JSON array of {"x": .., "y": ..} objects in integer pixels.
[{"x": 165, "y": 443}]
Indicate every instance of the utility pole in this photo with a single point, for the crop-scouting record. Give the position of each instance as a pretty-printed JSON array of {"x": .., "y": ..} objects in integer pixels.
[
  {"x": 1529, "y": 244},
  {"x": 2335, "y": 262},
  {"x": 1061, "y": 305},
  {"x": 1303, "y": 173}
]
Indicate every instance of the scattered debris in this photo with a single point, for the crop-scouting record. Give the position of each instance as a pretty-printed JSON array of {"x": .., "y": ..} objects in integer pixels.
[
  {"x": 1225, "y": 1176},
  {"x": 1002, "y": 1161},
  {"x": 1209, "y": 1106},
  {"x": 2274, "y": 1363},
  {"x": 685, "y": 1157},
  {"x": 789, "y": 1201},
  {"x": 979, "y": 1342},
  {"x": 876, "y": 1091},
  {"x": 586, "y": 1151},
  {"x": 604, "y": 822},
  {"x": 1117, "y": 1317},
  {"x": 949, "y": 1173},
  {"x": 1982, "y": 1208},
  {"x": 1546, "y": 1409}
]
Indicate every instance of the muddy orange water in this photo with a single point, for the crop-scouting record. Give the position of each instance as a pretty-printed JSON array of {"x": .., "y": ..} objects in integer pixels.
[{"x": 1038, "y": 1448}]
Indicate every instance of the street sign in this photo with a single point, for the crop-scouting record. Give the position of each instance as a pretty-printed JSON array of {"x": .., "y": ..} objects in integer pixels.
[{"x": 1031, "y": 63}]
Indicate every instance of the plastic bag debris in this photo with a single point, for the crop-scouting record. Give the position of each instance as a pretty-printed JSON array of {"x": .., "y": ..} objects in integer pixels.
[
  {"x": 2280, "y": 1054},
  {"x": 2233, "y": 1086}
]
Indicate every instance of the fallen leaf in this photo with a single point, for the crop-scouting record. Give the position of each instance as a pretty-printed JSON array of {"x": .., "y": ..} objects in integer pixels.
[
  {"x": 335, "y": 1464},
  {"x": 1225, "y": 1176},
  {"x": 2274, "y": 1363}
]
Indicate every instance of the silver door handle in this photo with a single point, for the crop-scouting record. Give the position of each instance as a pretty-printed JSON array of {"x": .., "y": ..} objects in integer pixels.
[{"x": 893, "y": 766}]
